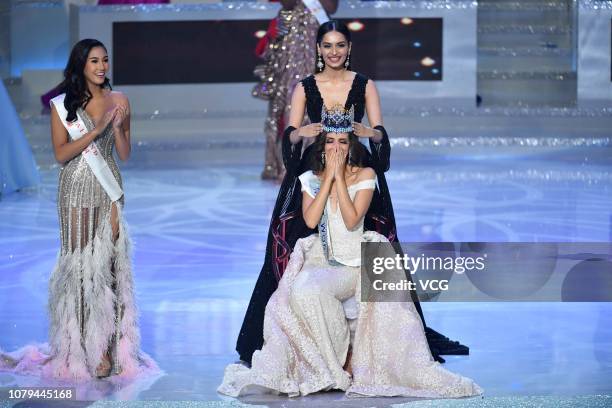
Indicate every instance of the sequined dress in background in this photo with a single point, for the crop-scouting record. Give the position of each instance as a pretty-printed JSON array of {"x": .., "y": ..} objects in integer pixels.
[{"x": 288, "y": 58}]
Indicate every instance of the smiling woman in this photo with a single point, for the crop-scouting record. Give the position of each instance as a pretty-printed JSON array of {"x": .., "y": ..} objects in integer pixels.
[
  {"x": 288, "y": 57},
  {"x": 93, "y": 327},
  {"x": 93, "y": 315},
  {"x": 335, "y": 85}
]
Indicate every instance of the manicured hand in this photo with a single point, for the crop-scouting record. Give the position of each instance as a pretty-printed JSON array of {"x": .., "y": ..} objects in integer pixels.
[
  {"x": 312, "y": 130},
  {"x": 330, "y": 165},
  {"x": 362, "y": 131},
  {"x": 119, "y": 116}
]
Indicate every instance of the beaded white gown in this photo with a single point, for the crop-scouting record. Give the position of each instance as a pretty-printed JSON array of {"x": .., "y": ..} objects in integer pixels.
[{"x": 313, "y": 316}]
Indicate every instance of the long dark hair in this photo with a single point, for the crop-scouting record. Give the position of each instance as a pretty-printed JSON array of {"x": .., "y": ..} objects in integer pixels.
[
  {"x": 357, "y": 153},
  {"x": 329, "y": 26},
  {"x": 74, "y": 83}
]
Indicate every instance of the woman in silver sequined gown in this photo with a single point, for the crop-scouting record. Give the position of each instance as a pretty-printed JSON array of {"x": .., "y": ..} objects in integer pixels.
[
  {"x": 93, "y": 318},
  {"x": 288, "y": 58},
  {"x": 93, "y": 330}
]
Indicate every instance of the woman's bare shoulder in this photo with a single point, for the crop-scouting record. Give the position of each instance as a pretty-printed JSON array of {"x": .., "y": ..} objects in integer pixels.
[{"x": 365, "y": 173}]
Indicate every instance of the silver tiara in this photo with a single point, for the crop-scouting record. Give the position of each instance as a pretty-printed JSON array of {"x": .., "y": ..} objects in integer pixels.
[{"x": 337, "y": 119}]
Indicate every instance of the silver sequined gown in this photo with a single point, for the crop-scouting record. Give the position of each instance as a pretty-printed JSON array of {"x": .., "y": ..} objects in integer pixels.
[
  {"x": 314, "y": 315},
  {"x": 288, "y": 59},
  {"x": 91, "y": 295}
]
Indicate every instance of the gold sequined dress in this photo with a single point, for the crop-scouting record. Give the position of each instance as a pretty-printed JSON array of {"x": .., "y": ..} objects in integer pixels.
[
  {"x": 287, "y": 60},
  {"x": 315, "y": 314},
  {"x": 91, "y": 294}
]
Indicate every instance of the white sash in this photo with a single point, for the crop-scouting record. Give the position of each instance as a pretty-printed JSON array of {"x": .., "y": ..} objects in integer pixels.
[
  {"x": 317, "y": 10},
  {"x": 92, "y": 154}
]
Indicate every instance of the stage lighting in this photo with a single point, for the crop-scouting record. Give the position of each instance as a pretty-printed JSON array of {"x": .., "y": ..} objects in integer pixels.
[
  {"x": 355, "y": 26},
  {"x": 428, "y": 62}
]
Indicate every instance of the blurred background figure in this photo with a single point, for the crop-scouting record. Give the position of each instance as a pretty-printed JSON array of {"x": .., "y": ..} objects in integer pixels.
[
  {"x": 289, "y": 55},
  {"x": 17, "y": 165}
]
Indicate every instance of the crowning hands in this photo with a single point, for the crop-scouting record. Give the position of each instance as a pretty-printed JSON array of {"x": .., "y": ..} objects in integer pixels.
[
  {"x": 364, "y": 131},
  {"x": 312, "y": 130}
]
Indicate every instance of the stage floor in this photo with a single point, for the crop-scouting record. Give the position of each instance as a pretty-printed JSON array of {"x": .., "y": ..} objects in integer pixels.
[{"x": 199, "y": 234}]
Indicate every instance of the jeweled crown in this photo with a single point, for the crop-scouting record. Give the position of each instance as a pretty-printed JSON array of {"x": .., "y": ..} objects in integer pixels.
[{"x": 337, "y": 119}]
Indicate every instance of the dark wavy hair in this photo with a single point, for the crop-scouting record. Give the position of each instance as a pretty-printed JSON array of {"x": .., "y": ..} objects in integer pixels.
[
  {"x": 74, "y": 83},
  {"x": 332, "y": 25},
  {"x": 357, "y": 151}
]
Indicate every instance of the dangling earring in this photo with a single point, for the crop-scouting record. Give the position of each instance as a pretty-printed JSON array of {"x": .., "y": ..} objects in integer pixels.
[
  {"x": 323, "y": 158},
  {"x": 320, "y": 64},
  {"x": 347, "y": 62},
  {"x": 350, "y": 157}
]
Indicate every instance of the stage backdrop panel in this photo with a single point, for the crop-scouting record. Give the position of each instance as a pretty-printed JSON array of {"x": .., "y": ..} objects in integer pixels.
[
  {"x": 397, "y": 49},
  {"x": 595, "y": 54},
  {"x": 38, "y": 37},
  {"x": 199, "y": 58}
]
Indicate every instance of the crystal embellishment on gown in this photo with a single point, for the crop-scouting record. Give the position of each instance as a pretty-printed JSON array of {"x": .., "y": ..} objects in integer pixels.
[{"x": 92, "y": 310}]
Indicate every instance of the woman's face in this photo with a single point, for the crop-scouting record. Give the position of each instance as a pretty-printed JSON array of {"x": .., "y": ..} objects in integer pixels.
[
  {"x": 338, "y": 141},
  {"x": 334, "y": 48},
  {"x": 96, "y": 66}
]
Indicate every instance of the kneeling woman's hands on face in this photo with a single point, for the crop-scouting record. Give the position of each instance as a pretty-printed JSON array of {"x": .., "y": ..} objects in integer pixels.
[{"x": 331, "y": 164}]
